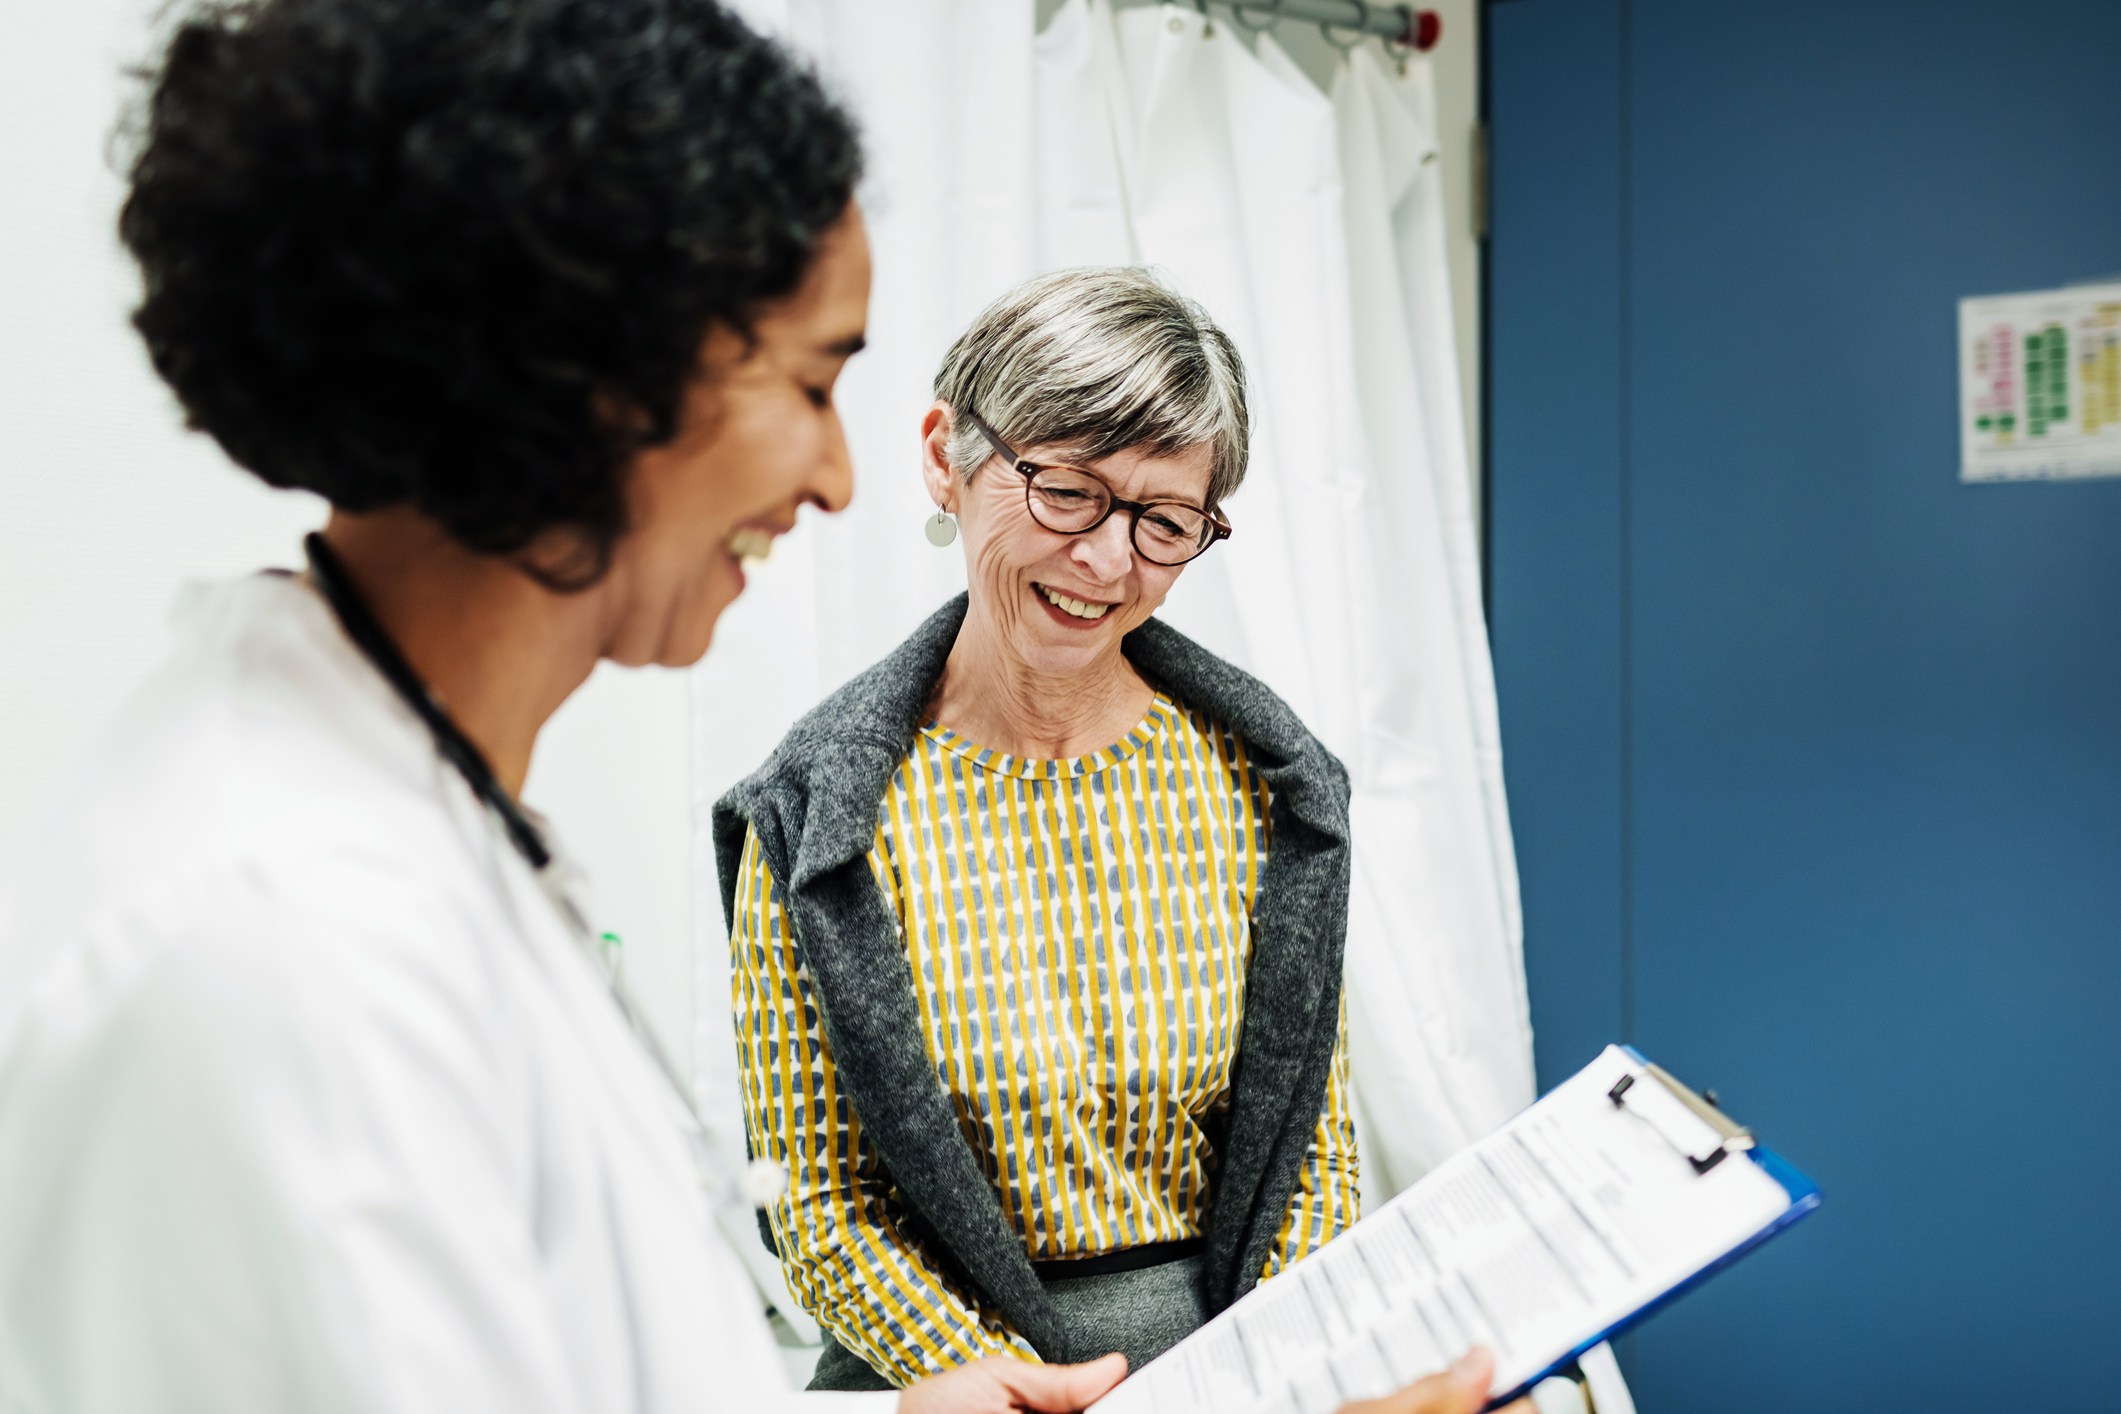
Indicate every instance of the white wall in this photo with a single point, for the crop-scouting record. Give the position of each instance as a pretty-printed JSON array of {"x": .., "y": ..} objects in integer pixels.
[{"x": 107, "y": 505}]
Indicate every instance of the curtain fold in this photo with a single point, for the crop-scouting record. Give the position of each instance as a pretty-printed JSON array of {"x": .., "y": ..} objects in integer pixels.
[
  {"x": 1433, "y": 852},
  {"x": 1310, "y": 224}
]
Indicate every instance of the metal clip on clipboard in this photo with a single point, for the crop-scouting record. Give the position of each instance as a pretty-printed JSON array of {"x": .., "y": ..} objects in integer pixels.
[{"x": 1729, "y": 1137}]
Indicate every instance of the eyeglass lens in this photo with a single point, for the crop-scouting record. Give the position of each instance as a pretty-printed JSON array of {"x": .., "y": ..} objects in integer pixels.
[{"x": 1069, "y": 501}]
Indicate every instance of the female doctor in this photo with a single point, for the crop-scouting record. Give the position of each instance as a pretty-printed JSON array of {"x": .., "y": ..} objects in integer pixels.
[{"x": 322, "y": 1101}]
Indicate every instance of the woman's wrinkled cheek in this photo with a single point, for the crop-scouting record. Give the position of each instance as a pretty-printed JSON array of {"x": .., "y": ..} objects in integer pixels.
[
  {"x": 992, "y": 565},
  {"x": 998, "y": 556}
]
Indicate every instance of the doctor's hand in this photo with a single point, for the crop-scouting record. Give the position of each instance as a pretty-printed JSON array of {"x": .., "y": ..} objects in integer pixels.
[
  {"x": 1002, "y": 1384},
  {"x": 1462, "y": 1389}
]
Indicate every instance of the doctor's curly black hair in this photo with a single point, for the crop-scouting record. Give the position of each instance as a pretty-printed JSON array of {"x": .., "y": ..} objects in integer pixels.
[{"x": 463, "y": 254}]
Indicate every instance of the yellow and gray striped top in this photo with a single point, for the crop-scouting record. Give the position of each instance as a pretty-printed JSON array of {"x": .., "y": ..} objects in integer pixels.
[{"x": 1078, "y": 931}]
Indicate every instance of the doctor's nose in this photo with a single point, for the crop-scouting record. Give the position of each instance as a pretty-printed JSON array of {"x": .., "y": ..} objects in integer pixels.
[{"x": 831, "y": 484}]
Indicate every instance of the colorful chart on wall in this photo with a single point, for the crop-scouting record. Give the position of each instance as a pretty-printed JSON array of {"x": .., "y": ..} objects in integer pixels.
[{"x": 2040, "y": 384}]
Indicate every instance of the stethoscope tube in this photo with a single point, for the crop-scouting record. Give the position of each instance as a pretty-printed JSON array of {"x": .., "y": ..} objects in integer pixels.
[
  {"x": 354, "y": 616},
  {"x": 760, "y": 1182}
]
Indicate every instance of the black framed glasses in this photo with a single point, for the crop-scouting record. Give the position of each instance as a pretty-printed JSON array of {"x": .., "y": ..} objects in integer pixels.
[{"x": 1071, "y": 500}]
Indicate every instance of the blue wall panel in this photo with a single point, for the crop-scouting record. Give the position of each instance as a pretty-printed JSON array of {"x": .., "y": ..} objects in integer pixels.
[
  {"x": 1869, "y": 725},
  {"x": 1554, "y": 459}
]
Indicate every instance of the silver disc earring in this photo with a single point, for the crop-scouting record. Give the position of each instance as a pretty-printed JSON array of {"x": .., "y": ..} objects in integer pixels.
[{"x": 941, "y": 529}]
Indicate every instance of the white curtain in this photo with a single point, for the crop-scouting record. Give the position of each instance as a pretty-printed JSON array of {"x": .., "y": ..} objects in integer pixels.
[{"x": 1310, "y": 225}]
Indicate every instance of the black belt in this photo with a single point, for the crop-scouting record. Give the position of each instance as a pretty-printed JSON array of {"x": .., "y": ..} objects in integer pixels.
[{"x": 1126, "y": 1259}]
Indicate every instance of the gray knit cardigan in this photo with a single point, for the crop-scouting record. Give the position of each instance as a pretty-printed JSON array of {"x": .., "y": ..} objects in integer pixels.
[{"x": 814, "y": 807}]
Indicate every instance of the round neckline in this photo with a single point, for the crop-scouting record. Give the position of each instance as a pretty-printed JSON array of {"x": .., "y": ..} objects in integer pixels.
[{"x": 1049, "y": 768}]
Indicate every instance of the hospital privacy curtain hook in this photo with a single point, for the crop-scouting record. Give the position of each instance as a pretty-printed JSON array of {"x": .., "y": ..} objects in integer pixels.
[{"x": 1362, "y": 20}]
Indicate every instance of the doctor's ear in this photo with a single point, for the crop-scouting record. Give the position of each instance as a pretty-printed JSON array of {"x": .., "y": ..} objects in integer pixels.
[{"x": 937, "y": 475}]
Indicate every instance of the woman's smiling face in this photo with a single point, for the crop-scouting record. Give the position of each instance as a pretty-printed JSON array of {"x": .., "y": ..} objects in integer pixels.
[
  {"x": 1060, "y": 602},
  {"x": 761, "y": 438}
]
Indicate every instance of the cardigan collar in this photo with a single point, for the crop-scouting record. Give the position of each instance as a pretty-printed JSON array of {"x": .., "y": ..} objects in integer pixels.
[{"x": 848, "y": 747}]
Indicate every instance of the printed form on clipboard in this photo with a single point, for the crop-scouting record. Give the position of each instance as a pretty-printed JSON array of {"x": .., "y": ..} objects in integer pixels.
[{"x": 1616, "y": 1192}]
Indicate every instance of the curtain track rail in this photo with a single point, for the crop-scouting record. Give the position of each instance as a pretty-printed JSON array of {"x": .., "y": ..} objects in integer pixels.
[{"x": 1396, "y": 24}]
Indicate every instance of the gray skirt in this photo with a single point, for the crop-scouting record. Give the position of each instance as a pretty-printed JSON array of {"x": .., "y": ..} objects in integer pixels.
[{"x": 1141, "y": 1313}]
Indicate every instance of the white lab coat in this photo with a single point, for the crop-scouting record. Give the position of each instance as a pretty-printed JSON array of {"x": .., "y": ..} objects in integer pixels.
[{"x": 316, "y": 1103}]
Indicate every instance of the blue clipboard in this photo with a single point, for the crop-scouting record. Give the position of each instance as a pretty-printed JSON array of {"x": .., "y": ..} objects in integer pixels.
[{"x": 1738, "y": 1146}]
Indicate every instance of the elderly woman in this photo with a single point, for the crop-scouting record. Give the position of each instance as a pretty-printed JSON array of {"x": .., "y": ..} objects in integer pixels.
[{"x": 1037, "y": 924}]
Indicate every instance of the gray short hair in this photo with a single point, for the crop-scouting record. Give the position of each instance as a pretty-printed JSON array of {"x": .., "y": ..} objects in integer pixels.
[{"x": 1097, "y": 360}]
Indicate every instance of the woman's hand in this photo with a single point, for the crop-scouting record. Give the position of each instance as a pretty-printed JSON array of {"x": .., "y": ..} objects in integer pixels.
[
  {"x": 1002, "y": 1384},
  {"x": 1462, "y": 1389}
]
